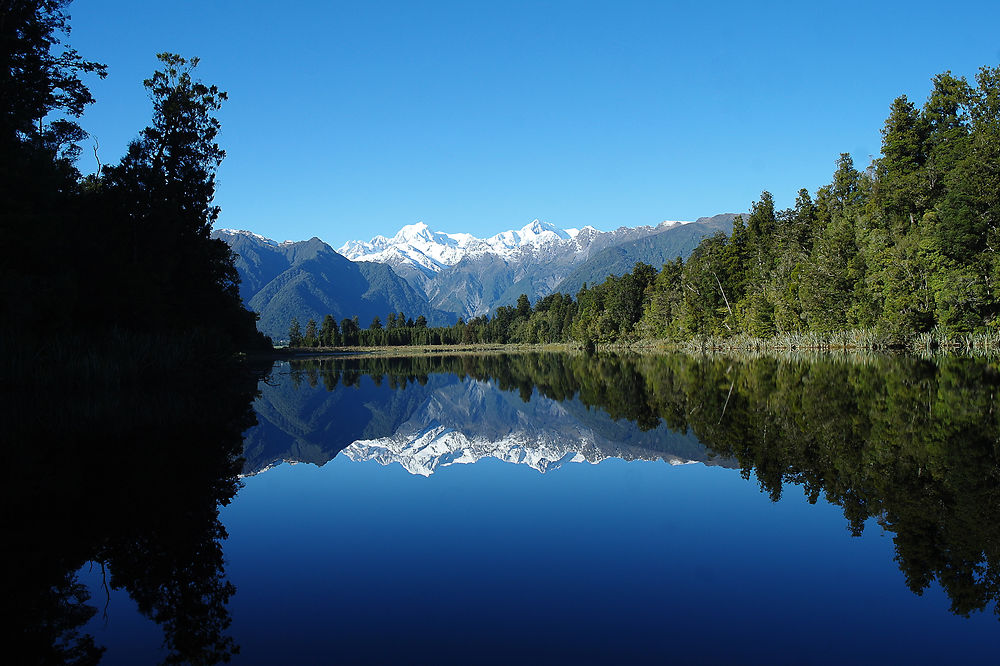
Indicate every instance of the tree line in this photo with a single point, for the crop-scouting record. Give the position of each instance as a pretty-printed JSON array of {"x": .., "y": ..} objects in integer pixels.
[
  {"x": 547, "y": 321},
  {"x": 903, "y": 248}
]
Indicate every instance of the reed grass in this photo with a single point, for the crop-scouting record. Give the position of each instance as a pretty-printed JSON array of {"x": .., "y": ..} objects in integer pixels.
[{"x": 855, "y": 341}]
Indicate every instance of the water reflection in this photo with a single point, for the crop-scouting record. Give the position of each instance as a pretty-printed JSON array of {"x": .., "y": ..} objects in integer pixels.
[
  {"x": 910, "y": 443},
  {"x": 428, "y": 413},
  {"x": 132, "y": 476},
  {"x": 128, "y": 475}
]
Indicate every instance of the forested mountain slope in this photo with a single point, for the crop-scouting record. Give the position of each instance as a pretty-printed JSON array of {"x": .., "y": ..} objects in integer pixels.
[
  {"x": 309, "y": 280},
  {"x": 655, "y": 249}
]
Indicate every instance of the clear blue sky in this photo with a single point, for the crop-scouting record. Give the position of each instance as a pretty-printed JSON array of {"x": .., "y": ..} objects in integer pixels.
[{"x": 347, "y": 120}]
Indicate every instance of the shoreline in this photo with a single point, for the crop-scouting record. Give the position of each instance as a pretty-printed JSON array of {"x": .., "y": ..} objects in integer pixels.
[
  {"x": 712, "y": 347},
  {"x": 283, "y": 353}
]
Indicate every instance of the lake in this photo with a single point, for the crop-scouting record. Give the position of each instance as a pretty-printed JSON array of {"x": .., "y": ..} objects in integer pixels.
[{"x": 551, "y": 508}]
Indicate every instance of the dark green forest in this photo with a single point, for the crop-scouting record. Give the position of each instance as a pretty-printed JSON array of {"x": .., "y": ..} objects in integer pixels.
[
  {"x": 124, "y": 254},
  {"x": 902, "y": 252},
  {"x": 903, "y": 248}
]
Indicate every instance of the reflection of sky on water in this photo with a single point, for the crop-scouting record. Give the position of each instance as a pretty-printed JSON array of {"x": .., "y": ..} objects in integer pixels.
[
  {"x": 614, "y": 562},
  {"x": 618, "y": 561}
]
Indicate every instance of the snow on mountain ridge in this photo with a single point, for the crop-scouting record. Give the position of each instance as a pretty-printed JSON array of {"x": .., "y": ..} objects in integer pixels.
[
  {"x": 573, "y": 233},
  {"x": 534, "y": 233},
  {"x": 452, "y": 428},
  {"x": 667, "y": 224},
  {"x": 422, "y": 451},
  {"x": 421, "y": 247},
  {"x": 249, "y": 234}
]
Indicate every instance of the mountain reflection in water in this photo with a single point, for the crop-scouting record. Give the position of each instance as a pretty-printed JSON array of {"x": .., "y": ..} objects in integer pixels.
[
  {"x": 132, "y": 477},
  {"x": 442, "y": 417},
  {"x": 910, "y": 443}
]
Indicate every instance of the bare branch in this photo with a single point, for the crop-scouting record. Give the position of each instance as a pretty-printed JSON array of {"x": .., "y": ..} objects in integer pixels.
[{"x": 97, "y": 145}]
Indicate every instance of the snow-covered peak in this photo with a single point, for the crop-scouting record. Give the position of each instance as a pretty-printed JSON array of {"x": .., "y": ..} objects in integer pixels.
[
  {"x": 422, "y": 253},
  {"x": 422, "y": 452},
  {"x": 539, "y": 231},
  {"x": 248, "y": 234},
  {"x": 535, "y": 233},
  {"x": 537, "y": 227},
  {"x": 462, "y": 424},
  {"x": 419, "y": 246},
  {"x": 587, "y": 230},
  {"x": 352, "y": 246},
  {"x": 667, "y": 224},
  {"x": 413, "y": 232}
]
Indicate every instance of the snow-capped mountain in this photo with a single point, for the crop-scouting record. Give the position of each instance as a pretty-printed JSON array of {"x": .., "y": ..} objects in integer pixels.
[
  {"x": 470, "y": 276},
  {"x": 466, "y": 421},
  {"x": 445, "y": 275},
  {"x": 235, "y": 233},
  {"x": 419, "y": 247}
]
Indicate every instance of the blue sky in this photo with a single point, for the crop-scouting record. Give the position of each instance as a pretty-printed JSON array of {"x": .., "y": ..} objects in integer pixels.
[{"x": 347, "y": 120}]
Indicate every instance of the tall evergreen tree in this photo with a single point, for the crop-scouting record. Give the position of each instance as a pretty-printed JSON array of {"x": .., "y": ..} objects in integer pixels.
[
  {"x": 36, "y": 80},
  {"x": 311, "y": 338},
  {"x": 329, "y": 332},
  {"x": 295, "y": 333}
]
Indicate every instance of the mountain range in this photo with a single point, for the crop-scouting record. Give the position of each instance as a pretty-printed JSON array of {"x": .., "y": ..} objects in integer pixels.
[
  {"x": 470, "y": 276},
  {"x": 443, "y": 276}
]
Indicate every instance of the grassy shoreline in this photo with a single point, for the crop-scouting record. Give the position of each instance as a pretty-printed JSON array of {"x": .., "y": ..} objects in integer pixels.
[
  {"x": 864, "y": 342},
  {"x": 421, "y": 350}
]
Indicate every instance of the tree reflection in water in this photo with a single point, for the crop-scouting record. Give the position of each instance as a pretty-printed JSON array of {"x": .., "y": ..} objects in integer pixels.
[
  {"x": 911, "y": 443},
  {"x": 127, "y": 471},
  {"x": 130, "y": 472}
]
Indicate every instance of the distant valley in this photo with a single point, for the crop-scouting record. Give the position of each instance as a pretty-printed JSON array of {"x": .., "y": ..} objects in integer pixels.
[{"x": 439, "y": 275}]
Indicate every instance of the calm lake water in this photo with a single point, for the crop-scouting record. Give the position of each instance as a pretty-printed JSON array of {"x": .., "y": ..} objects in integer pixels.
[{"x": 554, "y": 508}]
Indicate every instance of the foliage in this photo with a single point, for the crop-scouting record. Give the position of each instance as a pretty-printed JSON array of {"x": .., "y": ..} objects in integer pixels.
[
  {"x": 36, "y": 80},
  {"x": 125, "y": 248}
]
